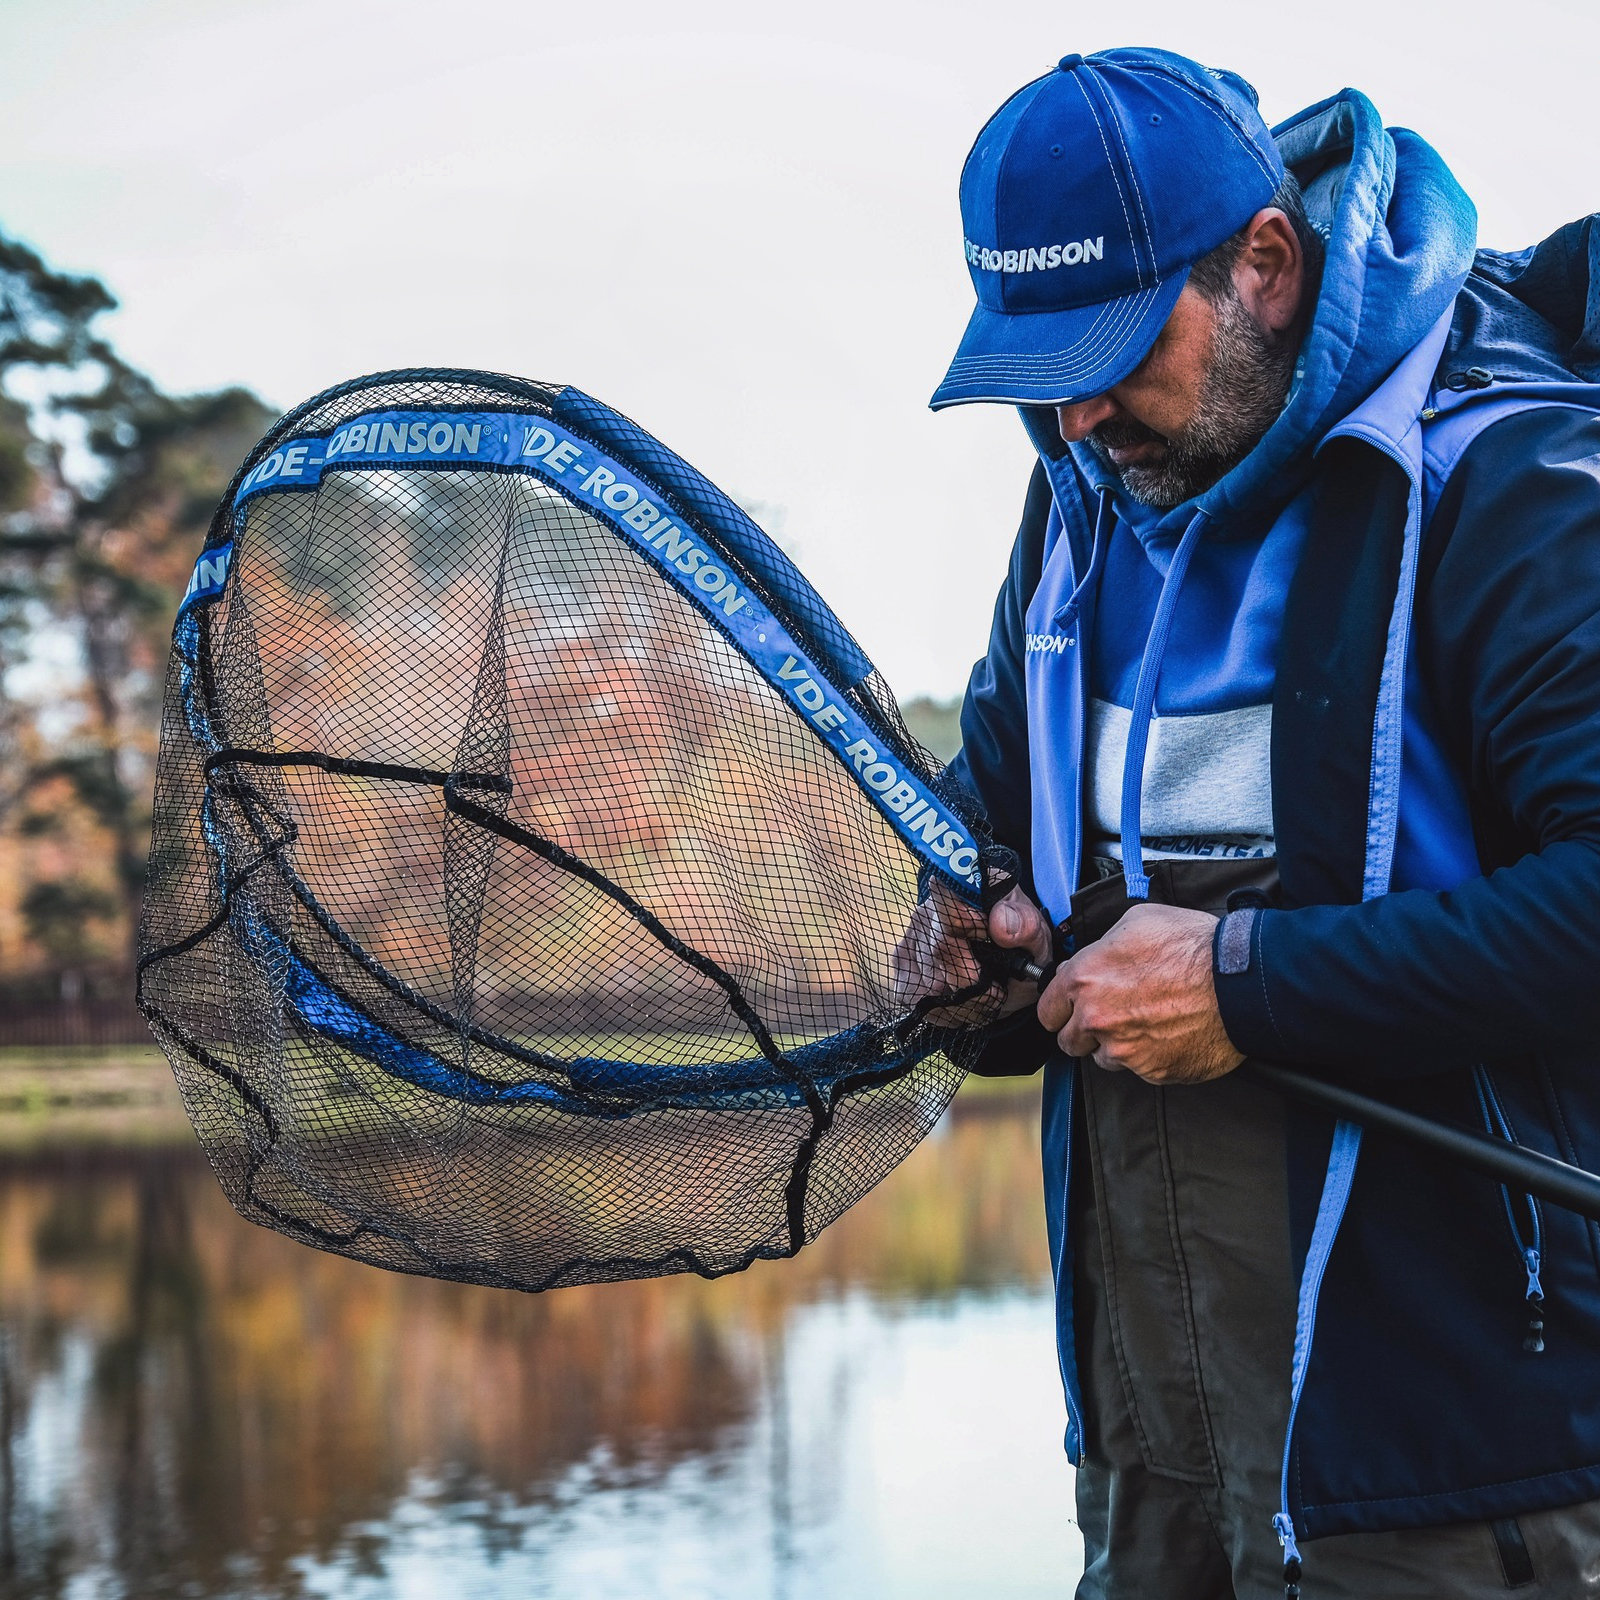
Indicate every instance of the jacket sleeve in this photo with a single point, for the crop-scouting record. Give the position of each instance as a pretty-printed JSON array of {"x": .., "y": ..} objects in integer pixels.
[
  {"x": 993, "y": 759},
  {"x": 1508, "y": 627}
]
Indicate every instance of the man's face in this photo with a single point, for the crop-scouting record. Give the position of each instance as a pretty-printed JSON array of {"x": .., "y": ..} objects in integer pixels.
[{"x": 1213, "y": 382}]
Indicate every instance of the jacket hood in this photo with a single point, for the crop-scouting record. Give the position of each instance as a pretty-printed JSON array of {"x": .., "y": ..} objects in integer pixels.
[
  {"x": 1530, "y": 316},
  {"x": 1400, "y": 236}
]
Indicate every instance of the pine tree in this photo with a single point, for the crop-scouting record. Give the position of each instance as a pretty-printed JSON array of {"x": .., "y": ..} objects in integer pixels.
[{"x": 106, "y": 487}]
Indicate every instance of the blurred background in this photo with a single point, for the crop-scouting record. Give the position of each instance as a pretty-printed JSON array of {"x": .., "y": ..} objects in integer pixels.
[{"x": 738, "y": 224}]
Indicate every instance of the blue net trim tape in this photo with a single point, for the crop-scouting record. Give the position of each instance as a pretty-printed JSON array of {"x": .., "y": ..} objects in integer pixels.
[
  {"x": 641, "y": 515},
  {"x": 628, "y": 442},
  {"x": 600, "y": 1088}
]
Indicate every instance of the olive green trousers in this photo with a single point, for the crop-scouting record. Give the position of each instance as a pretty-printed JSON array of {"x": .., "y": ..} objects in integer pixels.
[{"x": 1184, "y": 1297}]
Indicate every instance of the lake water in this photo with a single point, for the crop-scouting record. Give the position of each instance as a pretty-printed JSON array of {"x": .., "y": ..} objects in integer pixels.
[{"x": 191, "y": 1406}]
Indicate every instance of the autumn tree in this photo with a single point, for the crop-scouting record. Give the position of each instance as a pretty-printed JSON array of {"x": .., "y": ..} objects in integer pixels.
[{"x": 106, "y": 487}]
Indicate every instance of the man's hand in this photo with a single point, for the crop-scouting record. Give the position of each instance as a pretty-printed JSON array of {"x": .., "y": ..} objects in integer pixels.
[
  {"x": 1142, "y": 999},
  {"x": 935, "y": 956}
]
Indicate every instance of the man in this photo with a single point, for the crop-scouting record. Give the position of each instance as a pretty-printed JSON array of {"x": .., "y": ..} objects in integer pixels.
[{"x": 1291, "y": 711}]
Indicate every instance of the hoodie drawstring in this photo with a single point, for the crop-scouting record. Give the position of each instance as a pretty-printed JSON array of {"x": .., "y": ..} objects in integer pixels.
[
  {"x": 1144, "y": 702},
  {"x": 1067, "y": 613}
]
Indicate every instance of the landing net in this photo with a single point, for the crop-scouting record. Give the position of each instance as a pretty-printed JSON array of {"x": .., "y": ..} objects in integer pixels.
[{"x": 530, "y": 847}]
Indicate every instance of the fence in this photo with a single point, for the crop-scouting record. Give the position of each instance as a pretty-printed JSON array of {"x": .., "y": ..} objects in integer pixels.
[{"x": 49, "y": 1023}]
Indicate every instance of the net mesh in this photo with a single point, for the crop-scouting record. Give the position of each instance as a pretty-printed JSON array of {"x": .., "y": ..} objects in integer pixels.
[{"x": 504, "y": 923}]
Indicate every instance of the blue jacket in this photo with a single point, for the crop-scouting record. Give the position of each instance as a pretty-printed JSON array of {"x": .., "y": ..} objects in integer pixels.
[{"x": 1434, "y": 677}]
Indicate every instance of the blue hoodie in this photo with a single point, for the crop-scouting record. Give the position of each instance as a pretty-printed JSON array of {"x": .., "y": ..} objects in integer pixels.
[
  {"x": 1198, "y": 591},
  {"x": 1369, "y": 573}
]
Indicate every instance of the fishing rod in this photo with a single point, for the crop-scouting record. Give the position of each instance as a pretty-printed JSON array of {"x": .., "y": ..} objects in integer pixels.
[{"x": 1527, "y": 1171}]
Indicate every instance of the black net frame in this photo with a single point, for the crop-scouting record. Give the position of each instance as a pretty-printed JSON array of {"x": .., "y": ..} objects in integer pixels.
[{"x": 504, "y": 924}]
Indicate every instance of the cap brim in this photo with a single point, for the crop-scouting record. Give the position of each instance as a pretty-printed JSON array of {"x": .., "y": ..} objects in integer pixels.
[{"x": 1056, "y": 357}]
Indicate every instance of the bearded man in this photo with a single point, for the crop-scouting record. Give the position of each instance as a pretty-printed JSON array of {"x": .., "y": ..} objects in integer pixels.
[{"x": 1291, "y": 711}]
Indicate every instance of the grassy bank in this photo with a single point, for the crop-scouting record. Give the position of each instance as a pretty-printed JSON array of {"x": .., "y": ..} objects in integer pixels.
[
  {"x": 126, "y": 1095},
  {"x": 119, "y": 1095}
]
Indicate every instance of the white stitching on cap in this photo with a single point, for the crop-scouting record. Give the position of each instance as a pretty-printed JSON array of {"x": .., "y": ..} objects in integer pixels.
[
  {"x": 1000, "y": 169},
  {"x": 1106, "y": 330},
  {"x": 1127, "y": 220},
  {"x": 1083, "y": 356},
  {"x": 1111, "y": 334},
  {"x": 1138, "y": 198},
  {"x": 1103, "y": 330},
  {"x": 1247, "y": 143}
]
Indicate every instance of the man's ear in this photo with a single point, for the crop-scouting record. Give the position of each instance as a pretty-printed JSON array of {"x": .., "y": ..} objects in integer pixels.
[{"x": 1271, "y": 269}]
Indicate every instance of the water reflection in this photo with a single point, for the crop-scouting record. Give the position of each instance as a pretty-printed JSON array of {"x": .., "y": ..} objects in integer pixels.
[{"x": 191, "y": 1406}]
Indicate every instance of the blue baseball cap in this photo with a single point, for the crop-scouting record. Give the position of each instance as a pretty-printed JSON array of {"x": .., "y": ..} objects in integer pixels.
[{"x": 1085, "y": 200}]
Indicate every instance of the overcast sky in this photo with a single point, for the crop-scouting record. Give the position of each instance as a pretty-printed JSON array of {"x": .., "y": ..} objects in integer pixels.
[{"x": 735, "y": 222}]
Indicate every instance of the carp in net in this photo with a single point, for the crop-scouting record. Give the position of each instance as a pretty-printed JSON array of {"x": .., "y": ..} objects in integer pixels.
[{"x": 530, "y": 847}]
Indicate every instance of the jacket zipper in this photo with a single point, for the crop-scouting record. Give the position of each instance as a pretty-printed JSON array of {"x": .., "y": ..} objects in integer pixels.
[{"x": 1529, "y": 1247}]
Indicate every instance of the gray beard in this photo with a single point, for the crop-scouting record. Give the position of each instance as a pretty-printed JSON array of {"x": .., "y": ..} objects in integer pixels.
[{"x": 1245, "y": 389}]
